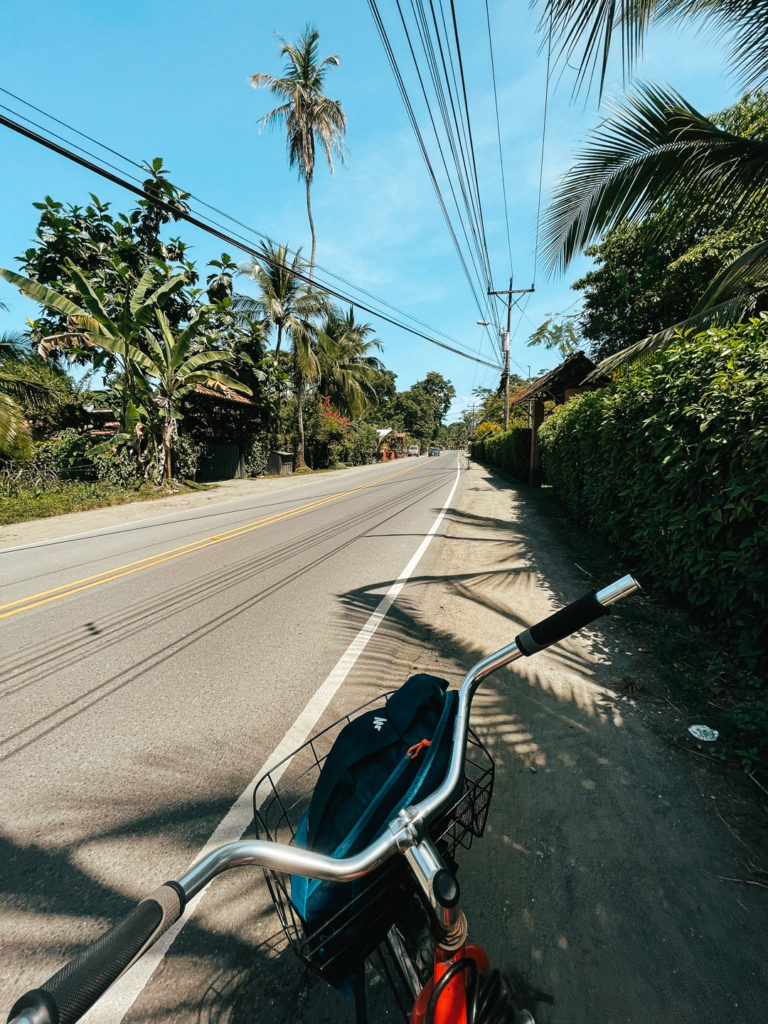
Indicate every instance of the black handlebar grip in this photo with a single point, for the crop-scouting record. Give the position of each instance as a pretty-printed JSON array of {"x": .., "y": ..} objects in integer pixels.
[
  {"x": 66, "y": 996},
  {"x": 560, "y": 625}
]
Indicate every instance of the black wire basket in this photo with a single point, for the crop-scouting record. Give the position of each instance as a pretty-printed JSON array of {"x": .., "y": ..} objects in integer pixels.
[{"x": 282, "y": 796}]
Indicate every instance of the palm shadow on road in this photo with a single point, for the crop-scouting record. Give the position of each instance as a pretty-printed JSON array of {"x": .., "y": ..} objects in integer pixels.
[{"x": 598, "y": 874}]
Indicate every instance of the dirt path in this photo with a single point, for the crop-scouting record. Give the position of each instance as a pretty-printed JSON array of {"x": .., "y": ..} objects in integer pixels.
[{"x": 604, "y": 875}]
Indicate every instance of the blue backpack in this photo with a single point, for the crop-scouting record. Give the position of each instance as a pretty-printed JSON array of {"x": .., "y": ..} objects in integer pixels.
[{"x": 381, "y": 761}]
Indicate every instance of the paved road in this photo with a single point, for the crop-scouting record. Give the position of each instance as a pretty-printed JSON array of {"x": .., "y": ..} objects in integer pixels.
[
  {"x": 136, "y": 711},
  {"x": 149, "y": 669}
]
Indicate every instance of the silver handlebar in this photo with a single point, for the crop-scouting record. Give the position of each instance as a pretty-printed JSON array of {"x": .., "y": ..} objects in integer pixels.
[{"x": 404, "y": 831}]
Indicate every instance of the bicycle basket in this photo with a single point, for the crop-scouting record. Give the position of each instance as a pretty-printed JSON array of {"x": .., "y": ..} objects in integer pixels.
[{"x": 281, "y": 797}]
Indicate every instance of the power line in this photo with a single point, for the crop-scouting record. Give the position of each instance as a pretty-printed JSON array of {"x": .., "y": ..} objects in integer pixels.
[
  {"x": 471, "y": 142},
  {"x": 455, "y": 118},
  {"x": 543, "y": 140},
  {"x": 320, "y": 271},
  {"x": 498, "y": 133},
  {"x": 388, "y": 49},
  {"x": 452, "y": 130},
  {"x": 212, "y": 230}
]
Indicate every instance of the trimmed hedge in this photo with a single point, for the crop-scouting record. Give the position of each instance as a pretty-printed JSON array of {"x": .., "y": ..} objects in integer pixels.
[
  {"x": 671, "y": 463},
  {"x": 509, "y": 450}
]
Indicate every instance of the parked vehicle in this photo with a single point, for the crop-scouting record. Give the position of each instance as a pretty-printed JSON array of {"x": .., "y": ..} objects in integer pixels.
[
  {"x": 401, "y": 879},
  {"x": 433, "y": 450},
  {"x": 413, "y": 449}
]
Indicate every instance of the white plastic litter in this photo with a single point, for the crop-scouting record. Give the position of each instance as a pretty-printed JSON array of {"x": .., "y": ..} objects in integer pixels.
[{"x": 703, "y": 732}]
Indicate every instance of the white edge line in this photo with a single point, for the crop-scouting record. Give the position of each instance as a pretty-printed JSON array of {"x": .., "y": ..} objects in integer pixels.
[{"x": 113, "y": 1006}]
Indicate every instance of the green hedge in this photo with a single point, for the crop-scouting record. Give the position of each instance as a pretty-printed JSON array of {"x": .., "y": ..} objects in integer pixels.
[
  {"x": 671, "y": 463},
  {"x": 509, "y": 450}
]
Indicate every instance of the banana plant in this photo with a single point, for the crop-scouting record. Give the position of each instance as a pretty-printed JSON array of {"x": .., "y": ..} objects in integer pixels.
[{"x": 158, "y": 374}]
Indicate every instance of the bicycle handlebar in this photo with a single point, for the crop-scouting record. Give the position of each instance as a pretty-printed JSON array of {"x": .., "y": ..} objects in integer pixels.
[
  {"x": 573, "y": 617},
  {"x": 65, "y": 997}
]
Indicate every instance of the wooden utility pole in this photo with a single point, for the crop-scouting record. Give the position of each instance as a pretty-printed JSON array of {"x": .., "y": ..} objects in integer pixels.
[{"x": 505, "y": 341}]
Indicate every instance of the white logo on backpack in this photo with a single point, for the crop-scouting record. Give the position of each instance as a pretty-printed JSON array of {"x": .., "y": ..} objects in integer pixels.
[{"x": 378, "y": 722}]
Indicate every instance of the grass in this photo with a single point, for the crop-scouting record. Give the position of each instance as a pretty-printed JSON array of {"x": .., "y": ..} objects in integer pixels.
[{"x": 19, "y": 504}]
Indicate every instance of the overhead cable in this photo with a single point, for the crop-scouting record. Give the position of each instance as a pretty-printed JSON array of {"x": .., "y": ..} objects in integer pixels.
[
  {"x": 209, "y": 228},
  {"x": 388, "y": 49},
  {"x": 320, "y": 271},
  {"x": 543, "y": 140},
  {"x": 498, "y": 133},
  {"x": 469, "y": 222}
]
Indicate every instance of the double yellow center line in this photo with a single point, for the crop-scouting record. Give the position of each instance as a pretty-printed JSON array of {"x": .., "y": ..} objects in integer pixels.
[{"x": 24, "y": 604}]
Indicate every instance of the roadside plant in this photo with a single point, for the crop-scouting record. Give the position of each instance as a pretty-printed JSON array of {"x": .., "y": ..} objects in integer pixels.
[
  {"x": 671, "y": 463},
  {"x": 156, "y": 374}
]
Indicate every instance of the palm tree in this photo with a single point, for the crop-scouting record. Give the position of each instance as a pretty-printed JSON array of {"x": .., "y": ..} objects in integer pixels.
[
  {"x": 284, "y": 299},
  {"x": 158, "y": 375},
  {"x": 582, "y": 31},
  {"x": 347, "y": 369},
  {"x": 657, "y": 146},
  {"x": 292, "y": 306},
  {"x": 308, "y": 115}
]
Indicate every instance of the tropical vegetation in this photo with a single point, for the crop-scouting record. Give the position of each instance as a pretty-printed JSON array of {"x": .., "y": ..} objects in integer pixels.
[{"x": 656, "y": 152}]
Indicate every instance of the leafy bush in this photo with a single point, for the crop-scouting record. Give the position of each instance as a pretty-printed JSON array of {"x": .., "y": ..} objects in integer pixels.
[
  {"x": 510, "y": 450},
  {"x": 185, "y": 457},
  {"x": 256, "y": 457},
  {"x": 671, "y": 463},
  {"x": 67, "y": 455},
  {"x": 362, "y": 445},
  {"x": 117, "y": 465}
]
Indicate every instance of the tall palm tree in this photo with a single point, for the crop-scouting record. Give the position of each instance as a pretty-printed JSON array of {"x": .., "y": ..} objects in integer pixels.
[
  {"x": 307, "y": 114},
  {"x": 657, "y": 146},
  {"x": 347, "y": 368}
]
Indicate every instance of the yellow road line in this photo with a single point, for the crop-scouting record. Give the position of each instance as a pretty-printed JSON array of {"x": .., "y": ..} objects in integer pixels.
[{"x": 23, "y": 604}]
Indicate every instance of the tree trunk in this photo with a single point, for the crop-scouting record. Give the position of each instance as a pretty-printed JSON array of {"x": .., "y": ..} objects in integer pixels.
[
  {"x": 169, "y": 434},
  {"x": 279, "y": 339},
  {"x": 312, "y": 230},
  {"x": 299, "y": 378}
]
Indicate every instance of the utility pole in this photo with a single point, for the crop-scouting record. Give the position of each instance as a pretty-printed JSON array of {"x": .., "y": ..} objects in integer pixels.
[{"x": 505, "y": 340}]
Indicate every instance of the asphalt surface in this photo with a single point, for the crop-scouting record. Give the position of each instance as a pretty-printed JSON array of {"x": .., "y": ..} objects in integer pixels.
[{"x": 152, "y": 661}]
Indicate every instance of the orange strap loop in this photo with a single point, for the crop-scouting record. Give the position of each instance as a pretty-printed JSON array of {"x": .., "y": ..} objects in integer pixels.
[{"x": 416, "y": 749}]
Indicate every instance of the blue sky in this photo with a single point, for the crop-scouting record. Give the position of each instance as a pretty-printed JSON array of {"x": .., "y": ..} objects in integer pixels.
[{"x": 170, "y": 79}]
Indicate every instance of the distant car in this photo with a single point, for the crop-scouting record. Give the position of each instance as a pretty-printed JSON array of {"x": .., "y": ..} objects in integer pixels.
[
  {"x": 413, "y": 449},
  {"x": 433, "y": 450}
]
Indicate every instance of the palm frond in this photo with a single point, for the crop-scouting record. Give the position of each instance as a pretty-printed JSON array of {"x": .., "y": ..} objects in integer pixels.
[
  {"x": 218, "y": 381},
  {"x": 89, "y": 296},
  {"x": 27, "y": 392},
  {"x": 737, "y": 278},
  {"x": 732, "y": 311},
  {"x": 139, "y": 294},
  {"x": 745, "y": 21},
  {"x": 15, "y": 439},
  {"x": 582, "y": 33},
  {"x": 655, "y": 146}
]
